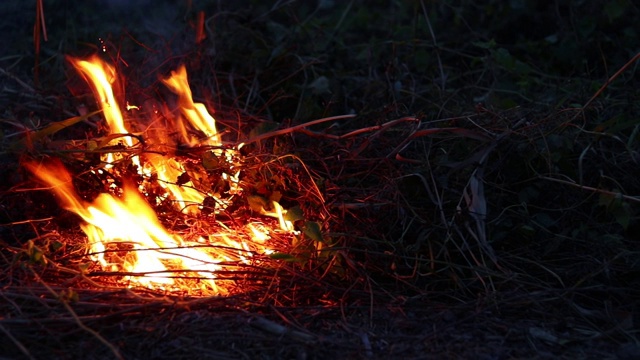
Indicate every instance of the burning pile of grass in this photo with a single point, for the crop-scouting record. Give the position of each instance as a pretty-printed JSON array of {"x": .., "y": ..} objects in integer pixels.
[
  {"x": 378, "y": 234},
  {"x": 168, "y": 213},
  {"x": 380, "y": 220}
]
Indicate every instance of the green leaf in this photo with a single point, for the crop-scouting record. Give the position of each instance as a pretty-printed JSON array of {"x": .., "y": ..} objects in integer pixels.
[
  {"x": 69, "y": 296},
  {"x": 285, "y": 257},
  {"x": 525, "y": 231},
  {"x": 257, "y": 203},
  {"x": 92, "y": 145},
  {"x": 623, "y": 215},
  {"x": 263, "y": 128},
  {"x": 491, "y": 44},
  {"x": 50, "y": 130},
  {"x": 294, "y": 214},
  {"x": 312, "y": 230},
  {"x": 615, "y": 9},
  {"x": 504, "y": 58},
  {"x": 56, "y": 245},
  {"x": 605, "y": 199},
  {"x": 36, "y": 255},
  {"x": 84, "y": 267}
]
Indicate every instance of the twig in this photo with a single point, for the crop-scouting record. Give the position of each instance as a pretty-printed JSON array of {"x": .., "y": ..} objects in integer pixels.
[
  {"x": 607, "y": 192},
  {"x": 277, "y": 329},
  {"x": 610, "y": 80},
  {"x": 443, "y": 78},
  {"x": 297, "y": 127},
  {"x": 16, "y": 342},
  {"x": 16, "y": 79}
]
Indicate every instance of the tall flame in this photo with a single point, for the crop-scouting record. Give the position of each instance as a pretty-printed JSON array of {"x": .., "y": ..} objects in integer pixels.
[
  {"x": 196, "y": 113},
  {"x": 100, "y": 75}
]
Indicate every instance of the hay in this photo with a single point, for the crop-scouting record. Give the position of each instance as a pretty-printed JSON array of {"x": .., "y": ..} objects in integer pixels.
[{"x": 469, "y": 208}]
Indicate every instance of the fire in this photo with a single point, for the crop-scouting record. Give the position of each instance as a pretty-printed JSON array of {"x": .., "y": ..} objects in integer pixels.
[
  {"x": 126, "y": 224},
  {"x": 186, "y": 197},
  {"x": 129, "y": 220},
  {"x": 196, "y": 113},
  {"x": 101, "y": 76}
]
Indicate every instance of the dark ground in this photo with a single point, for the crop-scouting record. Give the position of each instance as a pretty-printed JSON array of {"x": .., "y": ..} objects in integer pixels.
[{"x": 499, "y": 106}]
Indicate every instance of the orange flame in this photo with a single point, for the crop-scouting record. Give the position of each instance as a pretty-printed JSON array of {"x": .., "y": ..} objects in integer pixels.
[
  {"x": 168, "y": 170},
  {"x": 129, "y": 220},
  {"x": 154, "y": 256},
  {"x": 196, "y": 113},
  {"x": 100, "y": 76}
]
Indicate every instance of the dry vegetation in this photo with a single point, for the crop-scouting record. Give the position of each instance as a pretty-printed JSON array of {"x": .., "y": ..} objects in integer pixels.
[{"x": 482, "y": 202}]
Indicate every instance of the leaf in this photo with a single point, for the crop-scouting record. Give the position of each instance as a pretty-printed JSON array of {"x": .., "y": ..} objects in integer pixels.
[
  {"x": 526, "y": 232},
  {"x": 615, "y": 9},
  {"x": 263, "y": 128},
  {"x": 504, "y": 58},
  {"x": 277, "y": 181},
  {"x": 50, "y": 129},
  {"x": 275, "y": 196},
  {"x": 210, "y": 161},
  {"x": 109, "y": 140},
  {"x": 69, "y": 296},
  {"x": 294, "y": 214},
  {"x": 623, "y": 214},
  {"x": 312, "y": 230},
  {"x": 84, "y": 267},
  {"x": 257, "y": 203},
  {"x": 56, "y": 245},
  {"x": 183, "y": 179},
  {"x": 546, "y": 336},
  {"x": 285, "y": 257},
  {"x": 36, "y": 255},
  {"x": 92, "y": 145},
  {"x": 544, "y": 220},
  {"x": 491, "y": 44},
  {"x": 320, "y": 86}
]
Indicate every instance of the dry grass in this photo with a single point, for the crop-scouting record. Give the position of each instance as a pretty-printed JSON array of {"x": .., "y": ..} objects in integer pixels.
[{"x": 474, "y": 208}]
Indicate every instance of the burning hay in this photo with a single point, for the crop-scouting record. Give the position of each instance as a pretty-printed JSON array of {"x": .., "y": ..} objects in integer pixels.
[
  {"x": 447, "y": 218},
  {"x": 124, "y": 234}
]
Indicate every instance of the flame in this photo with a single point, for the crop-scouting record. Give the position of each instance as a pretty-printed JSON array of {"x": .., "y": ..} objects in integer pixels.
[
  {"x": 187, "y": 197},
  {"x": 127, "y": 224},
  {"x": 100, "y": 75},
  {"x": 129, "y": 220},
  {"x": 196, "y": 113}
]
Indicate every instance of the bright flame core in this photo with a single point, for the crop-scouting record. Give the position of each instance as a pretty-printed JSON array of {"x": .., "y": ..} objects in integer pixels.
[{"x": 129, "y": 220}]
